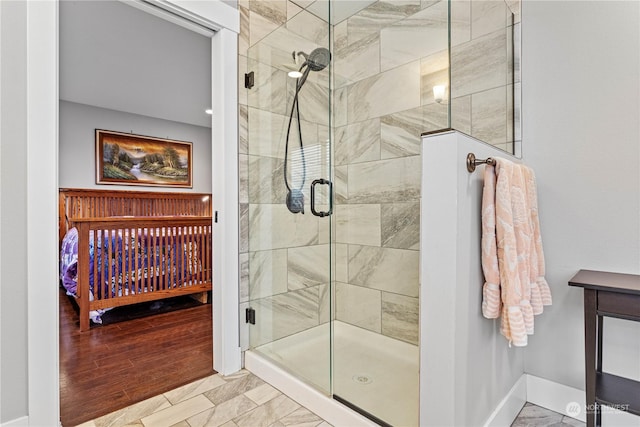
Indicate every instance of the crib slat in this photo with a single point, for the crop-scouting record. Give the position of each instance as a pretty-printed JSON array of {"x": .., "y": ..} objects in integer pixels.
[{"x": 163, "y": 259}]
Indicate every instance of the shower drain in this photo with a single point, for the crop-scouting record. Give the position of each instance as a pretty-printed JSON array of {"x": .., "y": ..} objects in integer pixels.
[{"x": 363, "y": 379}]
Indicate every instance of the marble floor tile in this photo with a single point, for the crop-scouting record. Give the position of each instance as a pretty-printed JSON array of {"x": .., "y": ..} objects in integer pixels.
[
  {"x": 301, "y": 417},
  {"x": 535, "y": 416},
  {"x": 261, "y": 405},
  {"x": 233, "y": 388},
  {"x": 262, "y": 394},
  {"x": 193, "y": 389},
  {"x": 179, "y": 412},
  {"x": 222, "y": 413},
  {"x": 133, "y": 412},
  {"x": 267, "y": 414}
]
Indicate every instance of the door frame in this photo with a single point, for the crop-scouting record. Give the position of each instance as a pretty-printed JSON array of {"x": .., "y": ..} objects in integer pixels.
[{"x": 42, "y": 193}]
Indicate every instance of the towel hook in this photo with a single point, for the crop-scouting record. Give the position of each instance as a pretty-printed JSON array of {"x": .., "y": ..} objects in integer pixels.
[{"x": 472, "y": 162}]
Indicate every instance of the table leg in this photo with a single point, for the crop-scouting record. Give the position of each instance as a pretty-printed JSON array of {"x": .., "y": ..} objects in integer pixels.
[
  {"x": 590, "y": 349},
  {"x": 597, "y": 407}
]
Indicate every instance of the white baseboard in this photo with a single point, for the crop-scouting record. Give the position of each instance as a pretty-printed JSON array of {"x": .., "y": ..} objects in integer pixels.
[
  {"x": 556, "y": 397},
  {"x": 18, "y": 422},
  {"x": 570, "y": 401},
  {"x": 509, "y": 408}
]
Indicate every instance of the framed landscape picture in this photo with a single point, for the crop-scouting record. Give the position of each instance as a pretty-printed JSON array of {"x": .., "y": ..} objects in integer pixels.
[{"x": 124, "y": 158}]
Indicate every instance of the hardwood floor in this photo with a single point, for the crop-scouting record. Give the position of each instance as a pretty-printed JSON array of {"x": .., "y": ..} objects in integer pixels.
[{"x": 113, "y": 366}]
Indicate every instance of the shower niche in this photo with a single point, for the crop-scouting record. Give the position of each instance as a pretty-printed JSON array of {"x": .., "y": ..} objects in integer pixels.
[{"x": 330, "y": 178}]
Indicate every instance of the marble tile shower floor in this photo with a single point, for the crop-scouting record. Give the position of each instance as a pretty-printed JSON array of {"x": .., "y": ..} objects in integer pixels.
[{"x": 370, "y": 370}]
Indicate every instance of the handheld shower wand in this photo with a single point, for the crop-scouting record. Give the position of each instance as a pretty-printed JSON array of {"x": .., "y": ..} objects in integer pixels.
[{"x": 317, "y": 60}]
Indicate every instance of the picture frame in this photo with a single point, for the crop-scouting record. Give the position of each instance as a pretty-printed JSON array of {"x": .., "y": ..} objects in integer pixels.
[{"x": 130, "y": 159}]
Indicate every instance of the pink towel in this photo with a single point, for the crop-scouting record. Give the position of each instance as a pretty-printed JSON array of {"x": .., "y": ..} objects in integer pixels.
[{"x": 512, "y": 256}]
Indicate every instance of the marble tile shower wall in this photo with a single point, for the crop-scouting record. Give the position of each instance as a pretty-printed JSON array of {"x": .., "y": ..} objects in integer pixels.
[
  {"x": 284, "y": 257},
  {"x": 485, "y": 71},
  {"x": 386, "y": 60}
]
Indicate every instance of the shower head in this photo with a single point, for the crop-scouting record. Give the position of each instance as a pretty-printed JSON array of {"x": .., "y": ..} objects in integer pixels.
[{"x": 318, "y": 59}]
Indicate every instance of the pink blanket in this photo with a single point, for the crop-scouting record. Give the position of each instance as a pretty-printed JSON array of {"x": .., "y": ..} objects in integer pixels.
[{"x": 512, "y": 256}]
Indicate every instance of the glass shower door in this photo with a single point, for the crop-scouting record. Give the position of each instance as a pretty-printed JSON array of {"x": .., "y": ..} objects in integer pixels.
[{"x": 287, "y": 165}]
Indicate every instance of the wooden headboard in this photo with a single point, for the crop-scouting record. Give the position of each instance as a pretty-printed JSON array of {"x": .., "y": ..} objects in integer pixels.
[{"x": 89, "y": 203}]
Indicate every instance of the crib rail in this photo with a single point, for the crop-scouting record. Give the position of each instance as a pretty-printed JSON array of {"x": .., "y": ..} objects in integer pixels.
[
  {"x": 89, "y": 203},
  {"x": 141, "y": 259}
]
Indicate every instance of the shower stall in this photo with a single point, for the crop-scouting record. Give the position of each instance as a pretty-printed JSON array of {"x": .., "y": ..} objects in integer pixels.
[{"x": 336, "y": 96}]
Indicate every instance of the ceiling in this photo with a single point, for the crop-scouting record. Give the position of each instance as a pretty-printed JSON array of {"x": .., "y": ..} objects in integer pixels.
[{"x": 115, "y": 56}]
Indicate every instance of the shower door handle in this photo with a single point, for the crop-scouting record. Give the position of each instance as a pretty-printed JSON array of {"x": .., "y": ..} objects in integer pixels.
[{"x": 313, "y": 197}]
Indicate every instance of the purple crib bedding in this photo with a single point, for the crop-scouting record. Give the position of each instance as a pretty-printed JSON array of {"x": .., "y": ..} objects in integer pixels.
[{"x": 183, "y": 267}]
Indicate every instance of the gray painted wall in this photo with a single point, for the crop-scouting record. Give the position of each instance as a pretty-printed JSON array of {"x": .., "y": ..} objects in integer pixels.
[
  {"x": 581, "y": 95},
  {"x": 13, "y": 212},
  {"x": 77, "y": 144}
]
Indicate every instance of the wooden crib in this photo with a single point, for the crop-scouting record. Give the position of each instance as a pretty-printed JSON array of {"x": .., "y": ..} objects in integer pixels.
[{"x": 145, "y": 245}]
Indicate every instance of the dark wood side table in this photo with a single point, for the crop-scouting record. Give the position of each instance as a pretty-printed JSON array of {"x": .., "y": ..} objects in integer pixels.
[{"x": 612, "y": 295}]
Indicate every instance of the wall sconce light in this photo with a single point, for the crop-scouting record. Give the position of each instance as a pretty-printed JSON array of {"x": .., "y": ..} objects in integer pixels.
[{"x": 438, "y": 93}]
